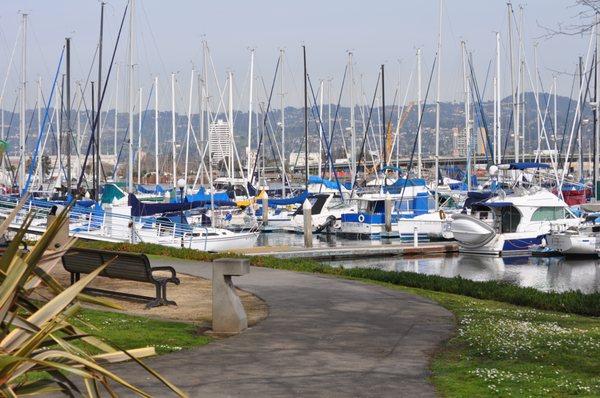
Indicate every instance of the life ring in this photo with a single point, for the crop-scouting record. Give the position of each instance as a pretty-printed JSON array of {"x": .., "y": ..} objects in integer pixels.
[
  {"x": 442, "y": 215},
  {"x": 361, "y": 218}
]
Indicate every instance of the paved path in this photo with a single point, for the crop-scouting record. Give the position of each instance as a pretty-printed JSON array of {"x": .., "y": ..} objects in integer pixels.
[{"x": 324, "y": 337}]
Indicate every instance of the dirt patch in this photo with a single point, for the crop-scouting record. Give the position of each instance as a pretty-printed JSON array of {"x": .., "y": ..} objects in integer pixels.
[{"x": 193, "y": 297}]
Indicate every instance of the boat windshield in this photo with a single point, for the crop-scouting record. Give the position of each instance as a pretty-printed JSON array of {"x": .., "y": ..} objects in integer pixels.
[{"x": 510, "y": 217}]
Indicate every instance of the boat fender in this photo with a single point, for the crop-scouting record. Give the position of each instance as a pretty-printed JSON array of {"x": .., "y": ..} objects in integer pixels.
[
  {"x": 442, "y": 215},
  {"x": 361, "y": 218}
]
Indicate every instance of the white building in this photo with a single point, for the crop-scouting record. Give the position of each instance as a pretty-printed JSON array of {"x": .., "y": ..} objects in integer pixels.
[
  {"x": 220, "y": 141},
  {"x": 298, "y": 159}
]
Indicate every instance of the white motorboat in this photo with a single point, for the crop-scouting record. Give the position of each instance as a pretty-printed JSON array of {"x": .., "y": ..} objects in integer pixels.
[{"x": 511, "y": 223}]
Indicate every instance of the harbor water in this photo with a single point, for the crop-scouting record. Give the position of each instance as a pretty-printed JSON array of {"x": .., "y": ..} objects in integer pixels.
[{"x": 543, "y": 273}]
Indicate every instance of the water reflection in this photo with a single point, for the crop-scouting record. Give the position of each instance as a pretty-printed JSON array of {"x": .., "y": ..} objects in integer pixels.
[
  {"x": 544, "y": 273},
  {"x": 548, "y": 274}
]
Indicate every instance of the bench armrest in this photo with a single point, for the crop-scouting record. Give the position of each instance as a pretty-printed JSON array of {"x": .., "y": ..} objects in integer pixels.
[{"x": 170, "y": 269}]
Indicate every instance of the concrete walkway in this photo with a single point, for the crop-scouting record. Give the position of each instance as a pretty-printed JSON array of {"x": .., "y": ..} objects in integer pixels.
[{"x": 324, "y": 336}]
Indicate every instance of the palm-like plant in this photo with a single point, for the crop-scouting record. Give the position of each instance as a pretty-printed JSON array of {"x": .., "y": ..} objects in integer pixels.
[{"x": 38, "y": 337}]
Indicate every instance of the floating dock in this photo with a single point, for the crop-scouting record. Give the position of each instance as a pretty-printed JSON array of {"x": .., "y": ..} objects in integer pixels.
[{"x": 359, "y": 251}]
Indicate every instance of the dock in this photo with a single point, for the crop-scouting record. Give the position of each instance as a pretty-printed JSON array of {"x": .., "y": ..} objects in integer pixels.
[{"x": 358, "y": 251}]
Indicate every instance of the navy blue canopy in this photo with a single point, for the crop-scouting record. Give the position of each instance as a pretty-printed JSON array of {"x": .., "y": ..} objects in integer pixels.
[
  {"x": 527, "y": 165},
  {"x": 141, "y": 209}
]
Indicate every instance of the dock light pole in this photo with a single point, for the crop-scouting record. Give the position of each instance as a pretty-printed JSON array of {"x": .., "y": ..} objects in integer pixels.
[{"x": 181, "y": 186}]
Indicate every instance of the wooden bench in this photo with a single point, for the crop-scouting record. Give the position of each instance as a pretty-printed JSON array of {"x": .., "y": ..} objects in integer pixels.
[{"x": 126, "y": 266}]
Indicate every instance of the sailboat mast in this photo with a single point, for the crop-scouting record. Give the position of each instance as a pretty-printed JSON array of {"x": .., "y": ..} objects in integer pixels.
[
  {"x": 21, "y": 168},
  {"x": 282, "y": 93},
  {"x": 230, "y": 117},
  {"x": 498, "y": 102},
  {"x": 139, "y": 147},
  {"x": 419, "y": 138},
  {"x": 68, "y": 101},
  {"x": 173, "y": 131},
  {"x": 384, "y": 134},
  {"x": 515, "y": 115},
  {"x": 467, "y": 113},
  {"x": 437, "y": 108},
  {"x": 250, "y": 103},
  {"x": 321, "y": 129},
  {"x": 99, "y": 100},
  {"x": 579, "y": 141},
  {"x": 352, "y": 120},
  {"x": 596, "y": 116},
  {"x": 306, "y": 169},
  {"x": 130, "y": 99},
  {"x": 116, "y": 124},
  {"x": 189, "y": 125},
  {"x": 156, "y": 114},
  {"x": 537, "y": 99}
]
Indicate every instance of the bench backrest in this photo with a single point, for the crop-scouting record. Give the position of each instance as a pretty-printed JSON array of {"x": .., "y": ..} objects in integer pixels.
[{"x": 129, "y": 266}]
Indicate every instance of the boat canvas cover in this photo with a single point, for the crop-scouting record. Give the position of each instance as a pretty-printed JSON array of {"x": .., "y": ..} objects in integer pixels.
[
  {"x": 526, "y": 165},
  {"x": 399, "y": 185},
  {"x": 202, "y": 196},
  {"x": 141, "y": 209},
  {"x": 157, "y": 189},
  {"x": 111, "y": 192},
  {"x": 328, "y": 183},
  {"x": 289, "y": 201}
]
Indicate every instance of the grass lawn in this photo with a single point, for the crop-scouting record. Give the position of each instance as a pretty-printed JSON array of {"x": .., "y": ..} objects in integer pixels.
[
  {"x": 500, "y": 349},
  {"x": 505, "y": 350},
  {"x": 128, "y": 331}
]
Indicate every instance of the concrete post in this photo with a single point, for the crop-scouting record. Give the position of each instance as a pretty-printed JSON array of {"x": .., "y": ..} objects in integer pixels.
[
  {"x": 228, "y": 314},
  {"x": 307, "y": 213},
  {"x": 388, "y": 213},
  {"x": 265, "y": 208}
]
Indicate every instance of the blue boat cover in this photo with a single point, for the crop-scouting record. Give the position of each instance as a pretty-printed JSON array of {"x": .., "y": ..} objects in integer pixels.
[
  {"x": 402, "y": 183},
  {"x": 141, "y": 209},
  {"x": 328, "y": 183},
  {"x": 289, "y": 201},
  {"x": 527, "y": 165},
  {"x": 157, "y": 189}
]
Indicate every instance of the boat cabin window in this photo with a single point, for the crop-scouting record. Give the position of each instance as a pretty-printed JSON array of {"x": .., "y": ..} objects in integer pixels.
[
  {"x": 376, "y": 207},
  {"x": 548, "y": 214},
  {"x": 510, "y": 219}
]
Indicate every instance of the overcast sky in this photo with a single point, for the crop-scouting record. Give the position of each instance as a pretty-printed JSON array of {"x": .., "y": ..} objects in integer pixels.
[{"x": 169, "y": 34}]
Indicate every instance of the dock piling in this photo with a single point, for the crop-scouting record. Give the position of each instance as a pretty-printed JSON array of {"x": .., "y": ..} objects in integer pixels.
[
  {"x": 307, "y": 213},
  {"x": 388, "y": 213},
  {"x": 265, "y": 208}
]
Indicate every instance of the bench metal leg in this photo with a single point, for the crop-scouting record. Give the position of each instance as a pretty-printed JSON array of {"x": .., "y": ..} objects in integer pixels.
[{"x": 161, "y": 296}]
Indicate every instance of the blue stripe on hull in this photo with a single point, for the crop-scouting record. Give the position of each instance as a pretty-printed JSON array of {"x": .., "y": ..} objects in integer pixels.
[{"x": 521, "y": 244}]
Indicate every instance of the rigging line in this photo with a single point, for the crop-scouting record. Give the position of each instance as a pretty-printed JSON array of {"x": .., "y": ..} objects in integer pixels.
[
  {"x": 320, "y": 126},
  {"x": 582, "y": 108},
  {"x": 258, "y": 148},
  {"x": 37, "y": 145},
  {"x": 10, "y": 124},
  {"x": 480, "y": 107},
  {"x": 412, "y": 154},
  {"x": 562, "y": 143},
  {"x": 485, "y": 82},
  {"x": 87, "y": 80},
  {"x": 362, "y": 148},
  {"x": 103, "y": 93},
  {"x": 144, "y": 114},
  {"x": 337, "y": 108},
  {"x": 9, "y": 67},
  {"x": 388, "y": 127}
]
